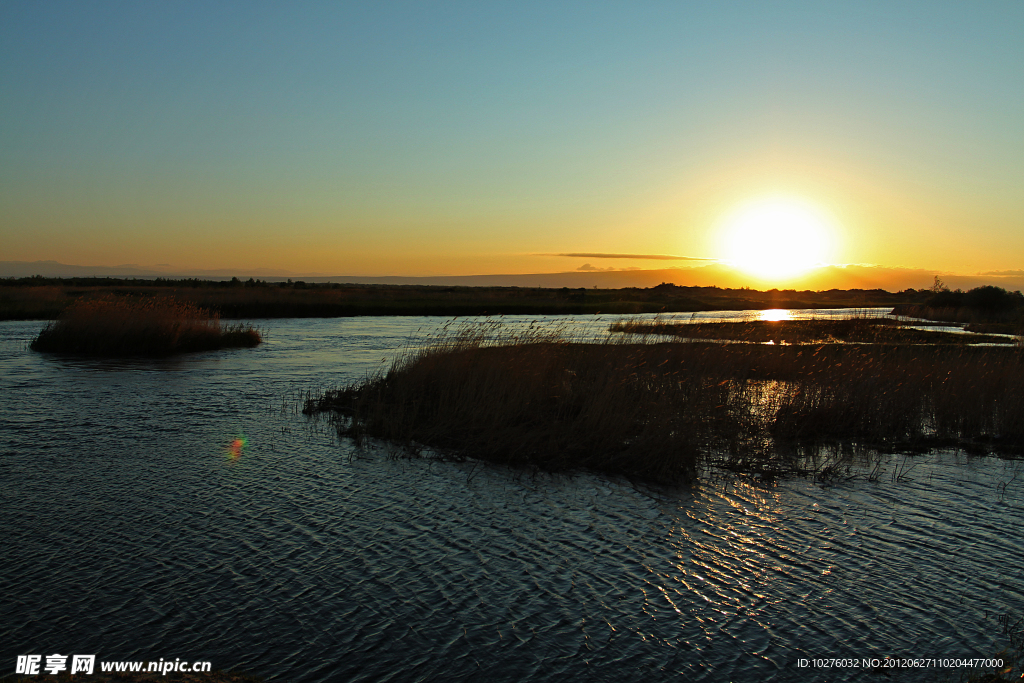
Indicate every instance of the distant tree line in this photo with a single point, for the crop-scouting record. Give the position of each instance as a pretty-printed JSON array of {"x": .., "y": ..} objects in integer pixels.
[{"x": 987, "y": 298}]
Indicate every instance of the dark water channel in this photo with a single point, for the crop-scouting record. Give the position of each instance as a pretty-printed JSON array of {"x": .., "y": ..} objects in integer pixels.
[{"x": 184, "y": 508}]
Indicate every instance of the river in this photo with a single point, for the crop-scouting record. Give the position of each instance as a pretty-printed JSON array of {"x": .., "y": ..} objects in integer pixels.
[{"x": 185, "y": 508}]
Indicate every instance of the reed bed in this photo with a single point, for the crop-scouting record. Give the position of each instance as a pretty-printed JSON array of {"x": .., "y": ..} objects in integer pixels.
[
  {"x": 662, "y": 412},
  {"x": 140, "y": 327},
  {"x": 863, "y": 330}
]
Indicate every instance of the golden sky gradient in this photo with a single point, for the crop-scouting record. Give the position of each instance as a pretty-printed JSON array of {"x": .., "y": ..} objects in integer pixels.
[{"x": 475, "y": 138}]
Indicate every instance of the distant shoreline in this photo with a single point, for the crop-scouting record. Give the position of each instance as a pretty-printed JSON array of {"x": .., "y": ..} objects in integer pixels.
[{"x": 39, "y": 298}]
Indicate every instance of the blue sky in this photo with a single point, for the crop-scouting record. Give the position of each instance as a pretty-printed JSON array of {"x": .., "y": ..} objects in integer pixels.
[{"x": 416, "y": 138}]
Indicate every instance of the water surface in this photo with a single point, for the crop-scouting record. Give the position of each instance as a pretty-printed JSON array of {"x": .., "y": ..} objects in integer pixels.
[{"x": 133, "y": 529}]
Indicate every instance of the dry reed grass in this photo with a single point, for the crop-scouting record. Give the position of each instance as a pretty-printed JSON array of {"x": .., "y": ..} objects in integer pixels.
[
  {"x": 149, "y": 327},
  {"x": 660, "y": 412},
  {"x": 863, "y": 330}
]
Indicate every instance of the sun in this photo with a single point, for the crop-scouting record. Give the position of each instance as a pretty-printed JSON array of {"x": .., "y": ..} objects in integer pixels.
[{"x": 775, "y": 238}]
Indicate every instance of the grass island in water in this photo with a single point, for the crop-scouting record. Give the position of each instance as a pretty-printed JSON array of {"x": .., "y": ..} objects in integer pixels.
[
  {"x": 140, "y": 327},
  {"x": 660, "y": 412}
]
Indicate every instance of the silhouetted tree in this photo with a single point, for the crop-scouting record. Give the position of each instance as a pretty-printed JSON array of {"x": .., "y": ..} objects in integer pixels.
[{"x": 989, "y": 298}]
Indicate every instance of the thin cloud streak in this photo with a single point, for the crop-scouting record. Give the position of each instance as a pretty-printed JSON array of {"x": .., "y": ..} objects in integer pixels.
[{"x": 656, "y": 257}]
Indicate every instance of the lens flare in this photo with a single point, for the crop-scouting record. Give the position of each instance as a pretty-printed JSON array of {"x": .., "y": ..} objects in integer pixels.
[{"x": 236, "y": 447}]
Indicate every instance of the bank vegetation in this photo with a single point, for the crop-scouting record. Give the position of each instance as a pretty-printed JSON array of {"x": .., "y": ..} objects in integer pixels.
[{"x": 39, "y": 298}]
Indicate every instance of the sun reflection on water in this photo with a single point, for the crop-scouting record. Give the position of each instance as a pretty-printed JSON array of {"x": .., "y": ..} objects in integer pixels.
[
  {"x": 776, "y": 314},
  {"x": 729, "y": 553}
]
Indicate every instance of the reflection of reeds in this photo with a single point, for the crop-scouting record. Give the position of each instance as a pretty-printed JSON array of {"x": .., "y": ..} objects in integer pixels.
[
  {"x": 151, "y": 327},
  {"x": 660, "y": 411}
]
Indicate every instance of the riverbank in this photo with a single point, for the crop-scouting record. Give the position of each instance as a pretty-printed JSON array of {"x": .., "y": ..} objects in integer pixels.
[
  {"x": 985, "y": 309},
  {"x": 45, "y": 299}
]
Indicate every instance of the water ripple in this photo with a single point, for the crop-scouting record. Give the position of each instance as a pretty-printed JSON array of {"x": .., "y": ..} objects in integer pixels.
[{"x": 133, "y": 532}]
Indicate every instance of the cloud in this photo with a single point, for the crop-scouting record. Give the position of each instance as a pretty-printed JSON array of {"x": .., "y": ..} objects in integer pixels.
[
  {"x": 587, "y": 268},
  {"x": 1005, "y": 273},
  {"x": 656, "y": 257}
]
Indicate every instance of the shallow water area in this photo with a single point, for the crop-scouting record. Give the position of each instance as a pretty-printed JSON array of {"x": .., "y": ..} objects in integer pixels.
[{"x": 185, "y": 508}]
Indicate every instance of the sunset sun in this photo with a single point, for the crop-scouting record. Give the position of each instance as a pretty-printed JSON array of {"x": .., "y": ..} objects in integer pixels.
[{"x": 776, "y": 237}]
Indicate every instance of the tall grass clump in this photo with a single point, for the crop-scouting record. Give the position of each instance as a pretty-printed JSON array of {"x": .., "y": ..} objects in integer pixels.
[
  {"x": 536, "y": 401},
  {"x": 661, "y": 411},
  {"x": 140, "y": 327}
]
